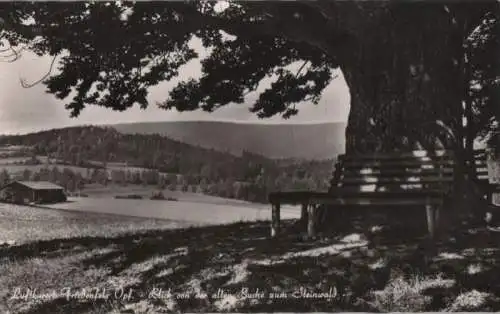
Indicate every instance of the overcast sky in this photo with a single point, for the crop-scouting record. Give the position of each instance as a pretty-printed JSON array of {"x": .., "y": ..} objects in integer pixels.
[{"x": 25, "y": 110}]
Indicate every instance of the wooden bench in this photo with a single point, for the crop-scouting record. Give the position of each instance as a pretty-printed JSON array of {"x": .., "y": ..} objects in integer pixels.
[{"x": 415, "y": 178}]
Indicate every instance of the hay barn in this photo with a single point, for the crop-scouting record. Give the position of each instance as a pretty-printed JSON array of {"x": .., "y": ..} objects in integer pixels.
[{"x": 25, "y": 192}]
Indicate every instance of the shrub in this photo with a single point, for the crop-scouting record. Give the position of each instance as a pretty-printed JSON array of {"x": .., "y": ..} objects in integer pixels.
[
  {"x": 400, "y": 296},
  {"x": 131, "y": 196},
  {"x": 406, "y": 295},
  {"x": 469, "y": 301},
  {"x": 157, "y": 196}
]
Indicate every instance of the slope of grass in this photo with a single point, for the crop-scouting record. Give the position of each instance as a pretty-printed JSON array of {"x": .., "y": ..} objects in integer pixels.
[
  {"x": 194, "y": 212},
  {"x": 22, "y": 224},
  {"x": 236, "y": 267},
  {"x": 112, "y": 190},
  {"x": 12, "y": 160},
  {"x": 18, "y": 169}
]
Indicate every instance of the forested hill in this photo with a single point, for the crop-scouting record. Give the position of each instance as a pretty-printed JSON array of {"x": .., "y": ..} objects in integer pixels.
[
  {"x": 79, "y": 145},
  {"x": 301, "y": 141},
  {"x": 92, "y": 146}
]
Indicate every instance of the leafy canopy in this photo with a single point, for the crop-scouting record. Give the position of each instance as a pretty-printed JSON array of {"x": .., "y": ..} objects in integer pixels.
[{"x": 111, "y": 53}]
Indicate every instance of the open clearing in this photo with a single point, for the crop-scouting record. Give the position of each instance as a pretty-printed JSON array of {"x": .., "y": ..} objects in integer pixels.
[
  {"x": 23, "y": 224},
  {"x": 12, "y": 160},
  {"x": 196, "y": 213},
  {"x": 112, "y": 190},
  {"x": 18, "y": 169}
]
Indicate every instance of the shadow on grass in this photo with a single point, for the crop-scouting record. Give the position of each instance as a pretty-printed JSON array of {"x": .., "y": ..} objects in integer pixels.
[{"x": 229, "y": 258}]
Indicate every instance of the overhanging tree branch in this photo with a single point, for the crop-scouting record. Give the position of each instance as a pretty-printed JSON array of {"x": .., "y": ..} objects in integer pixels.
[{"x": 26, "y": 85}]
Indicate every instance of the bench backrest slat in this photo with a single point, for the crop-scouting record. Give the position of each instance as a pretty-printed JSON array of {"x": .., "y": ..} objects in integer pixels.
[
  {"x": 413, "y": 177},
  {"x": 447, "y": 154},
  {"x": 403, "y": 170},
  {"x": 415, "y": 163}
]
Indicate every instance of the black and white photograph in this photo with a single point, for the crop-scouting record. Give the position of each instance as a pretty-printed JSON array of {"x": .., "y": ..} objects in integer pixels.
[{"x": 249, "y": 156}]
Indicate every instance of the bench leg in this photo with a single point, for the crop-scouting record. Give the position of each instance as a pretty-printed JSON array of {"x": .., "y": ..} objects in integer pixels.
[
  {"x": 303, "y": 213},
  {"x": 311, "y": 220},
  {"x": 275, "y": 223},
  {"x": 432, "y": 217},
  {"x": 437, "y": 218}
]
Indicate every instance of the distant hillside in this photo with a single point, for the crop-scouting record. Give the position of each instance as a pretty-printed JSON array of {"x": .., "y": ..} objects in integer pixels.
[
  {"x": 304, "y": 141},
  {"x": 106, "y": 154}
]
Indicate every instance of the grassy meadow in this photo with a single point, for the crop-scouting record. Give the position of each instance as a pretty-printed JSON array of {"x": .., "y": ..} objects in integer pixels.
[
  {"x": 20, "y": 225},
  {"x": 112, "y": 190},
  {"x": 195, "y": 212},
  {"x": 76, "y": 262}
]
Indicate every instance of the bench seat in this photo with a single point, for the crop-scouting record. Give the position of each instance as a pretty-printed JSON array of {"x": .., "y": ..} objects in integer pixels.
[{"x": 341, "y": 195}]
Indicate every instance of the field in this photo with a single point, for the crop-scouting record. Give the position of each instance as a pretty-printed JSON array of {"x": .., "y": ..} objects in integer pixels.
[
  {"x": 14, "y": 169},
  {"x": 14, "y": 164},
  {"x": 112, "y": 190},
  {"x": 12, "y": 149},
  {"x": 23, "y": 224},
  {"x": 12, "y": 160},
  {"x": 194, "y": 212},
  {"x": 118, "y": 166},
  {"x": 73, "y": 262}
]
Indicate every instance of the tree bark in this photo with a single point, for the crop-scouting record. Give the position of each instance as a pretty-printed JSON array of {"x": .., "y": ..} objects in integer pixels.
[{"x": 405, "y": 82}]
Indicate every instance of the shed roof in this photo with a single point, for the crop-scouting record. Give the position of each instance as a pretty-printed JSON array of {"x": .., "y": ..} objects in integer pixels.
[{"x": 40, "y": 185}]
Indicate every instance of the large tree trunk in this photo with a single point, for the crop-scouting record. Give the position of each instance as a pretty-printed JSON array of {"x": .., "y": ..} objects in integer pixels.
[{"x": 405, "y": 81}]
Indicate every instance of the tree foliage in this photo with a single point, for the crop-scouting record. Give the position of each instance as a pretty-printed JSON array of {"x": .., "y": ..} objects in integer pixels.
[
  {"x": 483, "y": 65},
  {"x": 399, "y": 58},
  {"x": 112, "y": 52}
]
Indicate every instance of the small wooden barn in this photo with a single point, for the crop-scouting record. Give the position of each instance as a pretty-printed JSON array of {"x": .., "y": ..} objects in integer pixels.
[{"x": 25, "y": 192}]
